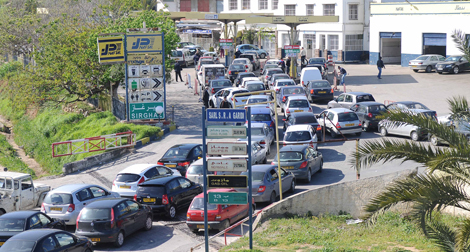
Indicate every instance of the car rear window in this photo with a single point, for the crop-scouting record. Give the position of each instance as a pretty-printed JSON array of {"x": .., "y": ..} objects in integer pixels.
[
  {"x": 239, "y": 61},
  {"x": 250, "y": 57},
  {"x": 127, "y": 177},
  {"x": 255, "y": 87},
  {"x": 240, "y": 92},
  {"x": 195, "y": 169},
  {"x": 154, "y": 190},
  {"x": 58, "y": 198},
  {"x": 290, "y": 156},
  {"x": 316, "y": 60},
  {"x": 176, "y": 153},
  {"x": 97, "y": 214},
  {"x": 176, "y": 54},
  {"x": 363, "y": 98},
  {"x": 257, "y": 100},
  {"x": 255, "y": 176},
  {"x": 261, "y": 117},
  {"x": 257, "y": 131},
  {"x": 377, "y": 108},
  {"x": 237, "y": 67},
  {"x": 319, "y": 84},
  {"x": 297, "y": 136},
  {"x": 305, "y": 119},
  {"x": 207, "y": 62},
  {"x": 11, "y": 225},
  {"x": 198, "y": 204},
  {"x": 346, "y": 117},
  {"x": 224, "y": 83},
  {"x": 274, "y": 71},
  {"x": 285, "y": 83},
  {"x": 299, "y": 104},
  {"x": 293, "y": 91}
]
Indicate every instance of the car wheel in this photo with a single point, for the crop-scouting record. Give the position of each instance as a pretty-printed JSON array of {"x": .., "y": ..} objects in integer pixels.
[
  {"x": 225, "y": 225},
  {"x": 195, "y": 230},
  {"x": 262, "y": 55},
  {"x": 148, "y": 223},
  {"x": 415, "y": 70},
  {"x": 455, "y": 69},
  {"x": 434, "y": 140},
  {"x": 321, "y": 166},
  {"x": 292, "y": 186},
  {"x": 414, "y": 136},
  {"x": 428, "y": 69},
  {"x": 272, "y": 199},
  {"x": 119, "y": 240},
  {"x": 358, "y": 133},
  {"x": 333, "y": 134},
  {"x": 2, "y": 212},
  {"x": 439, "y": 72},
  {"x": 265, "y": 160},
  {"x": 309, "y": 176},
  {"x": 383, "y": 131},
  {"x": 172, "y": 212}
]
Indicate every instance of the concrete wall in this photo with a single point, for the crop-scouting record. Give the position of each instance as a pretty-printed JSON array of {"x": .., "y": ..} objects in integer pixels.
[{"x": 350, "y": 197}]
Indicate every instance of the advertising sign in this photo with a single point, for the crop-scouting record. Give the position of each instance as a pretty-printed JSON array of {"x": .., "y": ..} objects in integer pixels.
[
  {"x": 227, "y": 148},
  {"x": 227, "y": 181},
  {"x": 227, "y": 165},
  {"x": 110, "y": 50},
  {"x": 144, "y": 42}
]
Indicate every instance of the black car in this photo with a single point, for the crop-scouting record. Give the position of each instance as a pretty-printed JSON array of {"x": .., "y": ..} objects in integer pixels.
[
  {"x": 233, "y": 70},
  {"x": 251, "y": 57},
  {"x": 453, "y": 64},
  {"x": 404, "y": 105},
  {"x": 242, "y": 75},
  {"x": 165, "y": 195},
  {"x": 16, "y": 222},
  {"x": 317, "y": 62},
  {"x": 180, "y": 156},
  {"x": 40, "y": 240},
  {"x": 319, "y": 90},
  {"x": 218, "y": 84},
  {"x": 303, "y": 118},
  {"x": 369, "y": 113},
  {"x": 111, "y": 220},
  {"x": 269, "y": 73}
]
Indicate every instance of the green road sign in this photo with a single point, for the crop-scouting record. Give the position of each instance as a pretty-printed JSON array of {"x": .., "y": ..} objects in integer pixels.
[
  {"x": 139, "y": 111},
  {"x": 228, "y": 198}
]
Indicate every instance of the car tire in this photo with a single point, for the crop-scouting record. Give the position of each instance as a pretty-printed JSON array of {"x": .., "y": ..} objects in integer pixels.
[
  {"x": 309, "y": 176},
  {"x": 321, "y": 166},
  {"x": 225, "y": 225},
  {"x": 414, "y": 136},
  {"x": 272, "y": 198},
  {"x": 148, "y": 223},
  {"x": 292, "y": 186},
  {"x": 434, "y": 141},
  {"x": 172, "y": 212},
  {"x": 455, "y": 70},
  {"x": 383, "y": 131},
  {"x": 262, "y": 55},
  {"x": 359, "y": 133},
  {"x": 333, "y": 134},
  {"x": 119, "y": 240},
  {"x": 265, "y": 160},
  {"x": 439, "y": 72},
  {"x": 2, "y": 212},
  {"x": 195, "y": 231},
  {"x": 415, "y": 70},
  {"x": 428, "y": 69}
]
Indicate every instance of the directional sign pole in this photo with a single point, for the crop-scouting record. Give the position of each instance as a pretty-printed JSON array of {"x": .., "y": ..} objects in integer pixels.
[
  {"x": 204, "y": 167},
  {"x": 164, "y": 75},
  {"x": 250, "y": 186},
  {"x": 125, "y": 79}
]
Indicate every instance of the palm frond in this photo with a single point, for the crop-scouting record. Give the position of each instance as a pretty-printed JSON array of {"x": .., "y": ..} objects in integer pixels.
[
  {"x": 461, "y": 42},
  {"x": 458, "y": 105},
  {"x": 442, "y": 235},
  {"x": 463, "y": 236}
]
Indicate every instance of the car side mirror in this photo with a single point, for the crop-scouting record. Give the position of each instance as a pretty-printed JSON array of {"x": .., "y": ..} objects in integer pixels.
[{"x": 317, "y": 116}]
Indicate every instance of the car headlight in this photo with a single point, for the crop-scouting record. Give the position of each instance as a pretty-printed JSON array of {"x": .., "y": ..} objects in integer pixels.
[{"x": 447, "y": 66}]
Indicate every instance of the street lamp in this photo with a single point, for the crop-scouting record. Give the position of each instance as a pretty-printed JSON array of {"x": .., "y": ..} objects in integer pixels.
[{"x": 159, "y": 110}]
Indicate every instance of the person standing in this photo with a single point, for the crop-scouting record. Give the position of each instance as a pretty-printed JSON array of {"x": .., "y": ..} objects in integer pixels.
[
  {"x": 178, "y": 69},
  {"x": 380, "y": 65},
  {"x": 225, "y": 103},
  {"x": 196, "y": 59},
  {"x": 222, "y": 52},
  {"x": 288, "y": 65},
  {"x": 303, "y": 54},
  {"x": 205, "y": 97},
  {"x": 282, "y": 64},
  {"x": 343, "y": 73},
  {"x": 238, "y": 53}
]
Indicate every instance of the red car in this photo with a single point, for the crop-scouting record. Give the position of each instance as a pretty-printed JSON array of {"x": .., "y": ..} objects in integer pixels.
[{"x": 219, "y": 217}]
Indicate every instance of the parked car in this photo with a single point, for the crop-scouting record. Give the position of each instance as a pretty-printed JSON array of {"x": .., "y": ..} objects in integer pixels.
[
  {"x": 369, "y": 113},
  {"x": 261, "y": 133},
  {"x": 203, "y": 61},
  {"x": 244, "y": 61},
  {"x": 301, "y": 134},
  {"x": 346, "y": 100},
  {"x": 233, "y": 70},
  {"x": 266, "y": 76},
  {"x": 278, "y": 84},
  {"x": 425, "y": 62},
  {"x": 258, "y": 153},
  {"x": 214, "y": 56},
  {"x": 296, "y": 104},
  {"x": 127, "y": 180},
  {"x": 182, "y": 56},
  {"x": 183, "y": 44},
  {"x": 259, "y": 99},
  {"x": 244, "y": 80},
  {"x": 340, "y": 120},
  {"x": 247, "y": 47},
  {"x": 252, "y": 52},
  {"x": 219, "y": 84},
  {"x": 265, "y": 181},
  {"x": 219, "y": 217},
  {"x": 387, "y": 127},
  {"x": 40, "y": 240},
  {"x": 319, "y": 90},
  {"x": 303, "y": 118},
  {"x": 453, "y": 64},
  {"x": 218, "y": 97},
  {"x": 196, "y": 171},
  {"x": 266, "y": 67},
  {"x": 111, "y": 220},
  {"x": 65, "y": 202},
  {"x": 317, "y": 61},
  {"x": 180, "y": 156},
  {"x": 255, "y": 85},
  {"x": 252, "y": 59},
  {"x": 404, "y": 105},
  {"x": 310, "y": 74},
  {"x": 459, "y": 124},
  {"x": 166, "y": 195},
  {"x": 193, "y": 48},
  {"x": 278, "y": 76},
  {"x": 272, "y": 62},
  {"x": 262, "y": 115},
  {"x": 286, "y": 91},
  {"x": 241, "y": 75},
  {"x": 303, "y": 161},
  {"x": 16, "y": 222}
]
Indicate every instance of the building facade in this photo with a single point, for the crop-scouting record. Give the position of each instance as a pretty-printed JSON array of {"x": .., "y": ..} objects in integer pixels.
[{"x": 194, "y": 5}]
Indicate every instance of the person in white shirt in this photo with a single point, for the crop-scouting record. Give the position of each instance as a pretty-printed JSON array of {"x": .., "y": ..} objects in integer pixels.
[{"x": 303, "y": 54}]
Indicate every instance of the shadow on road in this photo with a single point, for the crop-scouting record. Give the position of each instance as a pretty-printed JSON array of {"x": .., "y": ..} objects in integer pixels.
[
  {"x": 386, "y": 79},
  {"x": 331, "y": 155},
  {"x": 327, "y": 177}
]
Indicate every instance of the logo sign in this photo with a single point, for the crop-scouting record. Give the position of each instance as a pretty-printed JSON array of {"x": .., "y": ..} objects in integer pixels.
[
  {"x": 110, "y": 50},
  {"x": 279, "y": 19},
  {"x": 228, "y": 198},
  {"x": 227, "y": 181},
  {"x": 144, "y": 59},
  {"x": 226, "y": 148},
  {"x": 217, "y": 131},
  {"x": 144, "y": 42},
  {"x": 226, "y": 41},
  {"x": 144, "y": 70},
  {"x": 226, "y": 115},
  {"x": 211, "y": 16},
  {"x": 133, "y": 71},
  {"x": 139, "y": 111},
  {"x": 227, "y": 165}
]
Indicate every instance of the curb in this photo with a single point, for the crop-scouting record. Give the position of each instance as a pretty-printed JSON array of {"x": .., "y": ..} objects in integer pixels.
[{"x": 158, "y": 136}]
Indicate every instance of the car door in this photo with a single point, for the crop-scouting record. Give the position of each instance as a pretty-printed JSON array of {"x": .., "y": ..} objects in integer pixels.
[
  {"x": 48, "y": 243},
  {"x": 348, "y": 101},
  {"x": 99, "y": 193},
  {"x": 339, "y": 101},
  {"x": 329, "y": 121},
  {"x": 187, "y": 194},
  {"x": 361, "y": 112},
  {"x": 315, "y": 160},
  {"x": 433, "y": 61},
  {"x": 85, "y": 197},
  {"x": 273, "y": 180},
  {"x": 138, "y": 214},
  {"x": 124, "y": 217},
  {"x": 68, "y": 243},
  {"x": 47, "y": 222},
  {"x": 286, "y": 183},
  {"x": 27, "y": 193}
]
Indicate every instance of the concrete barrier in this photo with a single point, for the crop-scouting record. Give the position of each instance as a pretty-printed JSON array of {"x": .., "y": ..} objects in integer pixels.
[
  {"x": 350, "y": 197},
  {"x": 93, "y": 160}
]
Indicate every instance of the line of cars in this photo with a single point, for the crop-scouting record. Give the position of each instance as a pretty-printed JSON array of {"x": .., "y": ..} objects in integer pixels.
[{"x": 429, "y": 62}]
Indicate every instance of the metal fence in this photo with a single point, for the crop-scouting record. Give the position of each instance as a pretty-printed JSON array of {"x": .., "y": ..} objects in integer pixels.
[{"x": 119, "y": 107}]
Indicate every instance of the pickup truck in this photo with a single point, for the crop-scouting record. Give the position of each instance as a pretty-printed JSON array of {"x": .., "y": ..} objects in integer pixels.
[{"x": 17, "y": 192}]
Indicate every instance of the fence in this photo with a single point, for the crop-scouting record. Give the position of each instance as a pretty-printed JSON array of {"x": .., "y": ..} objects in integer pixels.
[{"x": 103, "y": 103}]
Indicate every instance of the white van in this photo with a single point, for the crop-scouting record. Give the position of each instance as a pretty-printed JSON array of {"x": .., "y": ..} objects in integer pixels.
[
  {"x": 210, "y": 72},
  {"x": 309, "y": 74},
  {"x": 182, "y": 56}
]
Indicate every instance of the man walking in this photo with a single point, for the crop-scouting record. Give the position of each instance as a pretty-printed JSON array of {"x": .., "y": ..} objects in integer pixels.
[
  {"x": 178, "y": 69},
  {"x": 225, "y": 103},
  {"x": 343, "y": 73},
  {"x": 282, "y": 64},
  {"x": 288, "y": 65},
  {"x": 205, "y": 97},
  {"x": 380, "y": 65},
  {"x": 303, "y": 54}
]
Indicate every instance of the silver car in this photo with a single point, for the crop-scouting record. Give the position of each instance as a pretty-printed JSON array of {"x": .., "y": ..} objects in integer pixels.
[
  {"x": 414, "y": 132},
  {"x": 340, "y": 120},
  {"x": 346, "y": 100},
  {"x": 286, "y": 91},
  {"x": 195, "y": 172},
  {"x": 258, "y": 153},
  {"x": 296, "y": 104},
  {"x": 460, "y": 125},
  {"x": 66, "y": 202},
  {"x": 425, "y": 62},
  {"x": 301, "y": 160},
  {"x": 263, "y": 134}
]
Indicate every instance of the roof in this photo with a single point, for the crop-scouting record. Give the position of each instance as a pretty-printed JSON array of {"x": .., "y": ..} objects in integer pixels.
[
  {"x": 370, "y": 103},
  {"x": 257, "y": 125},
  {"x": 299, "y": 127},
  {"x": 339, "y": 110},
  {"x": 71, "y": 188},
  {"x": 159, "y": 180},
  {"x": 34, "y": 234},
  {"x": 285, "y": 80},
  {"x": 280, "y": 74},
  {"x": 105, "y": 203},
  {"x": 137, "y": 168},
  {"x": 213, "y": 65},
  {"x": 258, "y": 97},
  {"x": 185, "y": 146},
  {"x": 18, "y": 214},
  {"x": 262, "y": 168},
  {"x": 250, "y": 78},
  {"x": 302, "y": 114},
  {"x": 405, "y": 102},
  {"x": 14, "y": 175},
  {"x": 358, "y": 93},
  {"x": 297, "y": 97},
  {"x": 293, "y": 148},
  {"x": 254, "y": 82},
  {"x": 263, "y": 110}
]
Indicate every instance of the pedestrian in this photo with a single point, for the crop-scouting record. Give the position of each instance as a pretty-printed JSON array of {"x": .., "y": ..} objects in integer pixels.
[
  {"x": 238, "y": 53},
  {"x": 205, "y": 97},
  {"x": 225, "y": 103},
  {"x": 178, "y": 69},
  {"x": 380, "y": 65},
  {"x": 196, "y": 58},
  {"x": 303, "y": 54},
  {"x": 343, "y": 73},
  {"x": 222, "y": 52},
  {"x": 282, "y": 64},
  {"x": 288, "y": 65}
]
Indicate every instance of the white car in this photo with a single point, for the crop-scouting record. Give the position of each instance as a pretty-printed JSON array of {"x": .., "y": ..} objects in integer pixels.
[
  {"x": 295, "y": 104},
  {"x": 213, "y": 55},
  {"x": 282, "y": 83},
  {"x": 303, "y": 134},
  {"x": 254, "y": 85},
  {"x": 262, "y": 134},
  {"x": 340, "y": 119},
  {"x": 258, "y": 99},
  {"x": 218, "y": 97},
  {"x": 242, "y": 84},
  {"x": 245, "y": 62},
  {"x": 127, "y": 180}
]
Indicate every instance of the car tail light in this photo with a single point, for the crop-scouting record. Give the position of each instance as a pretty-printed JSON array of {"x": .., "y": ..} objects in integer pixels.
[
  {"x": 43, "y": 208},
  {"x": 266, "y": 77},
  {"x": 78, "y": 218},
  {"x": 135, "y": 197},
  {"x": 311, "y": 143},
  {"x": 165, "y": 199},
  {"x": 186, "y": 164},
  {"x": 218, "y": 217},
  {"x": 112, "y": 218},
  {"x": 262, "y": 188},
  {"x": 213, "y": 91},
  {"x": 159, "y": 163},
  {"x": 114, "y": 182},
  {"x": 369, "y": 115},
  {"x": 283, "y": 98},
  {"x": 186, "y": 175},
  {"x": 272, "y": 124},
  {"x": 141, "y": 180},
  {"x": 318, "y": 127},
  {"x": 262, "y": 142},
  {"x": 360, "y": 124},
  {"x": 311, "y": 91},
  {"x": 246, "y": 66},
  {"x": 409, "y": 63},
  {"x": 338, "y": 126},
  {"x": 207, "y": 81},
  {"x": 272, "y": 163},
  {"x": 246, "y": 71},
  {"x": 229, "y": 72},
  {"x": 310, "y": 109},
  {"x": 302, "y": 82},
  {"x": 420, "y": 63},
  {"x": 71, "y": 208},
  {"x": 188, "y": 217},
  {"x": 332, "y": 91},
  {"x": 287, "y": 111},
  {"x": 304, "y": 164},
  {"x": 284, "y": 144}
]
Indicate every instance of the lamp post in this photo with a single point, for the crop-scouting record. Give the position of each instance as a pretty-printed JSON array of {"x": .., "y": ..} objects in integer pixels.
[{"x": 159, "y": 110}]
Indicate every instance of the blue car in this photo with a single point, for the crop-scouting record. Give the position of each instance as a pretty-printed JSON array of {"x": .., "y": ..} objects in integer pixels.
[
  {"x": 247, "y": 47},
  {"x": 262, "y": 115}
]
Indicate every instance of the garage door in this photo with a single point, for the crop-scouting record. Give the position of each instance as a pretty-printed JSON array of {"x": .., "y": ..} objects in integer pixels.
[
  {"x": 434, "y": 43},
  {"x": 390, "y": 47}
]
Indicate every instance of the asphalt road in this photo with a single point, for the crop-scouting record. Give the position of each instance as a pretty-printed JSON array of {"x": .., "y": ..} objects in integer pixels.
[{"x": 397, "y": 84}]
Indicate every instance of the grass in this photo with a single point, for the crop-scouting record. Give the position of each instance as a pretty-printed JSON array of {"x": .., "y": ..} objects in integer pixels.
[
  {"x": 10, "y": 159},
  {"x": 331, "y": 233}
]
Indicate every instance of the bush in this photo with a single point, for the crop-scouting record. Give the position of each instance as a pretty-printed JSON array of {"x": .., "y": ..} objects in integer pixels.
[
  {"x": 211, "y": 49},
  {"x": 8, "y": 68}
]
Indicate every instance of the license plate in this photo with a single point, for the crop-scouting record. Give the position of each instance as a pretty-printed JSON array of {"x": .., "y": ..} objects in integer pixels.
[
  {"x": 125, "y": 186},
  {"x": 322, "y": 92},
  {"x": 56, "y": 209},
  {"x": 413, "y": 66},
  {"x": 288, "y": 167},
  {"x": 244, "y": 100},
  {"x": 202, "y": 226},
  {"x": 439, "y": 68},
  {"x": 148, "y": 199},
  {"x": 170, "y": 165},
  {"x": 298, "y": 110},
  {"x": 349, "y": 124},
  {"x": 235, "y": 73},
  {"x": 1, "y": 243},
  {"x": 95, "y": 239}
]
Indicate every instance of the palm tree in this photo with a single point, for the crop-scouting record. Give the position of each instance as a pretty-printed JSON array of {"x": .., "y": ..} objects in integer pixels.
[
  {"x": 444, "y": 184},
  {"x": 462, "y": 41}
]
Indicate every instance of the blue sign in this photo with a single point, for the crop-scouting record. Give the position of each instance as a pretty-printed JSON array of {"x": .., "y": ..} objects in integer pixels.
[
  {"x": 226, "y": 115},
  {"x": 197, "y": 31}
]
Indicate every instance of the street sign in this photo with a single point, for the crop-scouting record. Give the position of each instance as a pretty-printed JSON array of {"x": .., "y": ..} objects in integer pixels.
[
  {"x": 226, "y": 115},
  {"x": 228, "y": 198},
  {"x": 145, "y": 59},
  {"x": 211, "y": 16},
  {"x": 227, "y": 165},
  {"x": 278, "y": 20},
  {"x": 144, "y": 42},
  {"x": 227, "y": 148},
  {"x": 110, "y": 50},
  {"x": 292, "y": 49},
  {"x": 226, "y": 43},
  {"x": 216, "y": 131},
  {"x": 139, "y": 111},
  {"x": 227, "y": 181}
]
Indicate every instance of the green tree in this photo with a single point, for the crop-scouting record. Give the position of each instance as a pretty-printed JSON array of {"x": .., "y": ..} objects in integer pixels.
[{"x": 462, "y": 41}]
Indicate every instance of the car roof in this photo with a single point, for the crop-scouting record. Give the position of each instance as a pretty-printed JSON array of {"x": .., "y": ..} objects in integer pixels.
[
  {"x": 185, "y": 146},
  {"x": 220, "y": 79},
  {"x": 105, "y": 203},
  {"x": 273, "y": 69},
  {"x": 339, "y": 110},
  {"x": 258, "y": 125},
  {"x": 254, "y": 82},
  {"x": 405, "y": 102},
  {"x": 358, "y": 93},
  {"x": 298, "y": 127},
  {"x": 293, "y": 148},
  {"x": 263, "y": 110},
  {"x": 297, "y": 97},
  {"x": 160, "y": 180},
  {"x": 258, "y": 96},
  {"x": 302, "y": 114},
  {"x": 18, "y": 214},
  {"x": 250, "y": 78},
  {"x": 35, "y": 234},
  {"x": 262, "y": 168},
  {"x": 213, "y": 65},
  {"x": 137, "y": 168},
  {"x": 370, "y": 103},
  {"x": 14, "y": 175},
  {"x": 71, "y": 188}
]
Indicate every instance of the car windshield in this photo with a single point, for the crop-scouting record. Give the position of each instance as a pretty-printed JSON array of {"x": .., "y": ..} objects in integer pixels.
[
  {"x": 237, "y": 67},
  {"x": 58, "y": 198},
  {"x": 257, "y": 131},
  {"x": 297, "y": 136},
  {"x": 18, "y": 245},
  {"x": 255, "y": 87},
  {"x": 347, "y": 117},
  {"x": 316, "y": 60},
  {"x": 176, "y": 153},
  {"x": 6, "y": 183},
  {"x": 207, "y": 62},
  {"x": 296, "y": 90},
  {"x": 422, "y": 58},
  {"x": 416, "y": 105},
  {"x": 319, "y": 84},
  {"x": 290, "y": 156},
  {"x": 453, "y": 58},
  {"x": 96, "y": 214},
  {"x": 239, "y": 61},
  {"x": 261, "y": 117},
  {"x": 363, "y": 98},
  {"x": 195, "y": 169},
  {"x": 255, "y": 176},
  {"x": 257, "y": 100},
  {"x": 176, "y": 54},
  {"x": 299, "y": 104},
  {"x": 221, "y": 83},
  {"x": 11, "y": 225},
  {"x": 377, "y": 108},
  {"x": 152, "y": 190},
  {"x": 285, "y": 83},
  {"x": 305, "y": 119},
  {"x": 198, "y": 204},
  {"x": 127, "y": 177}
]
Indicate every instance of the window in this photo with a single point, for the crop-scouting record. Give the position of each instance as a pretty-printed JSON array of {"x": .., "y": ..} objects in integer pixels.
[
  {"x": 133, "y": 206},
  {"x": 26, "y": 184},
  {"x": 163, "y": 171},
  {"x": 151, "y": 173},
  {"x": 333, "y": 42},
  {"x": 97, "y": 192},
  {"x": 263, "y": 4},
  {"x": 34, "y": 222},
  {"x": 44, "y": 220},
  {"x": 173, "y": 185},
  {"x": 309, "y": 8},
  {"x": 354, "y": 42},
  {"x": 121, "y": 209},
  {"x": 64, "y": 239},
  {"x": 184, "y": 183},
  {"x": 48, "y": 244},
  {"x": 275, "y": 4},
  {"x": 233, "y": 4},
  {"x": 353, "y": 11},
  {"x": 246, "y": 4},
  {"x": 84, "y": 195},
  {"x": 328, "y": 10},
  {"x": 289, "y": 10}
]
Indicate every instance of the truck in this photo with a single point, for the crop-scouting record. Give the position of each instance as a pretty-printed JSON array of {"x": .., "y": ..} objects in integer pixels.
[
  {"x": 210, "y": 72},
  {"x": 18, "y": 192}
]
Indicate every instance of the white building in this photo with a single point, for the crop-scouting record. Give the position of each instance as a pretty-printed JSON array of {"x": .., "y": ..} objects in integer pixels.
[
  {"x": 400, "y": 32},
  {"x": 349, "y": 36}
]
